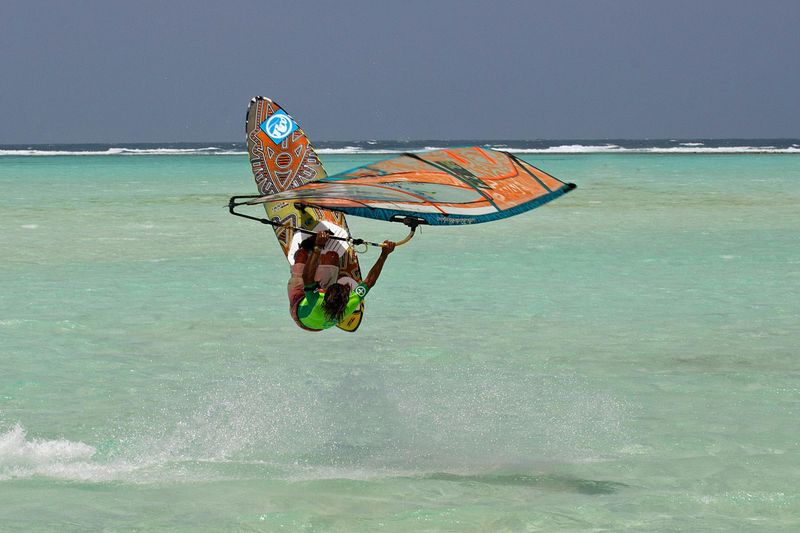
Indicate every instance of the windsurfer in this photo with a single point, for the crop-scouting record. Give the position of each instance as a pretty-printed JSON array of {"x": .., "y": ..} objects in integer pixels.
[{"x": 318, "y": 297}]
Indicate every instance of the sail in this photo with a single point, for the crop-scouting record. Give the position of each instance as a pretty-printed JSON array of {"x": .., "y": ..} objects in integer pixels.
[{"x": 465, "y": 185}]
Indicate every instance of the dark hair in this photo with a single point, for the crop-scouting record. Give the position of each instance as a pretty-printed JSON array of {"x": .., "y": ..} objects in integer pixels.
[{"x": 335, "y": 302}]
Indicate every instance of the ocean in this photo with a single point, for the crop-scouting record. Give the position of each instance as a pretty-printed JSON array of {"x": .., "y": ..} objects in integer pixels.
[{"x": 622, "y": 359}]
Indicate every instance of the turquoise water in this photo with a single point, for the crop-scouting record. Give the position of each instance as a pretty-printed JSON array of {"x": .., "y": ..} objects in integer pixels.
[{"x": 622, "y": 359}]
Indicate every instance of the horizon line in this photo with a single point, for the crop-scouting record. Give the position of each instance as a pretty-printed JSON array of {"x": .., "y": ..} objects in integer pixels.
[{"x": 451, "y": 140}]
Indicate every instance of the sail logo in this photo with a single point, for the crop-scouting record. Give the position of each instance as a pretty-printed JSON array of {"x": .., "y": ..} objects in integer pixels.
[{"x": 278, "y": 126}]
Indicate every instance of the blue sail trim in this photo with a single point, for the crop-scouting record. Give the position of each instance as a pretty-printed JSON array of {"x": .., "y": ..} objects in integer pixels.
[{"x": 438, "y": 219}]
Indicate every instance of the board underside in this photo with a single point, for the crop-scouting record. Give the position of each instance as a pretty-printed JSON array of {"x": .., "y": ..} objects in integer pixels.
[{"x": 282, "y": 158}]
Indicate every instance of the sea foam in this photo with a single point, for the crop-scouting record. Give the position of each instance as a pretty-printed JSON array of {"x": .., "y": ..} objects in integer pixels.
[{"x": 20, "y": 457}]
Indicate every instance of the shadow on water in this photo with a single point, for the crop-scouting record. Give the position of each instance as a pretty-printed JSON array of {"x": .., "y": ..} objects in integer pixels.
[{"x": 544, "y": 482}]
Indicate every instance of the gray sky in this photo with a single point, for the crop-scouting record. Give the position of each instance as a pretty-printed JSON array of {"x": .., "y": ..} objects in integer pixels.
[{"x": 139, "y": 71}]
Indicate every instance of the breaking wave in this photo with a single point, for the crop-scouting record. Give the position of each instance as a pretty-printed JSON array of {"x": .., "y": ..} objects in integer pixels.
[{"x": 209, "y": 150}]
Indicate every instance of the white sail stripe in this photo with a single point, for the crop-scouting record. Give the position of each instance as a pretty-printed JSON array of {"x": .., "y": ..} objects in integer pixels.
[{"x": 430, "y": 209}]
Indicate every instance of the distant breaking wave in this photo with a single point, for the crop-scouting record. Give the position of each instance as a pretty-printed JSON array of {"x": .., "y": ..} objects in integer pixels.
[
  {"x": 35, "y": 151},
  {"x": 672, "y": 146},
  {"x": 685, "y": 149}
]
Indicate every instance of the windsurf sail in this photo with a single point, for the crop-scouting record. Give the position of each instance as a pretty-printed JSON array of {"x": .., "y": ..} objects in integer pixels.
[{"x": 467, "y": 185}]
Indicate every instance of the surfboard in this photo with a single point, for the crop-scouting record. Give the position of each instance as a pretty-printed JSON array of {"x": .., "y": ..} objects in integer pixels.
[{"x": 282, "y": 158}]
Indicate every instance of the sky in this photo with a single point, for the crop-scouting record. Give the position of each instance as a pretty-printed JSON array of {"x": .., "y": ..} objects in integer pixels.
[{"x": 154, "y": 71}]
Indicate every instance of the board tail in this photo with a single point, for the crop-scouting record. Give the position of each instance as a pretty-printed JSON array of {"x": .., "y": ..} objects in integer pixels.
[{"x": 281, "y": 155}]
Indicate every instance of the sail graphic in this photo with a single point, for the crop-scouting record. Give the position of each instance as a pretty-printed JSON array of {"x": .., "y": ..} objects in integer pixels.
[{"x": 467, "y": 185}]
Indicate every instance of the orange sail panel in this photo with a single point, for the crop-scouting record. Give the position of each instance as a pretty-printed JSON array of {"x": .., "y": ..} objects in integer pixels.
[{"x": 465, "y": 185}]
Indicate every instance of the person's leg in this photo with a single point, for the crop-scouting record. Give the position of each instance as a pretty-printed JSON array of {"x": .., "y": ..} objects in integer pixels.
[
  {"x": 296, "y": 286},
  {"x": 329, "y": 258},
  {"x": 326, "y": 275},
  {"x": 299, "y": 265},
  {"x": 328, "y": 269},
  {"x": 295, "y": 290},
  {"x": 301, "y": 255}
]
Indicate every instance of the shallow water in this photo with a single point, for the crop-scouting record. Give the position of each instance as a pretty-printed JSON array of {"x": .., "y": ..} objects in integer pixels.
[{"x": 623, "y": 358}]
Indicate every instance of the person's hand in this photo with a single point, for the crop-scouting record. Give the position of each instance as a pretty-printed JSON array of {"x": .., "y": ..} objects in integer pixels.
[
  {"x": 387, "y": 247},
  {"x": 321, "y": 238}
]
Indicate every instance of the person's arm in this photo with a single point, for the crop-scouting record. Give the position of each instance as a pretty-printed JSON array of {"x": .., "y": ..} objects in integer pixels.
[
  {"x": 313, "y": 260},
  {"x": 375, "y": 271}
]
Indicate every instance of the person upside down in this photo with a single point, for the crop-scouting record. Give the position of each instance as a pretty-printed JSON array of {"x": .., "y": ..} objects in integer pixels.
[{"x": 318, "y": 297}]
